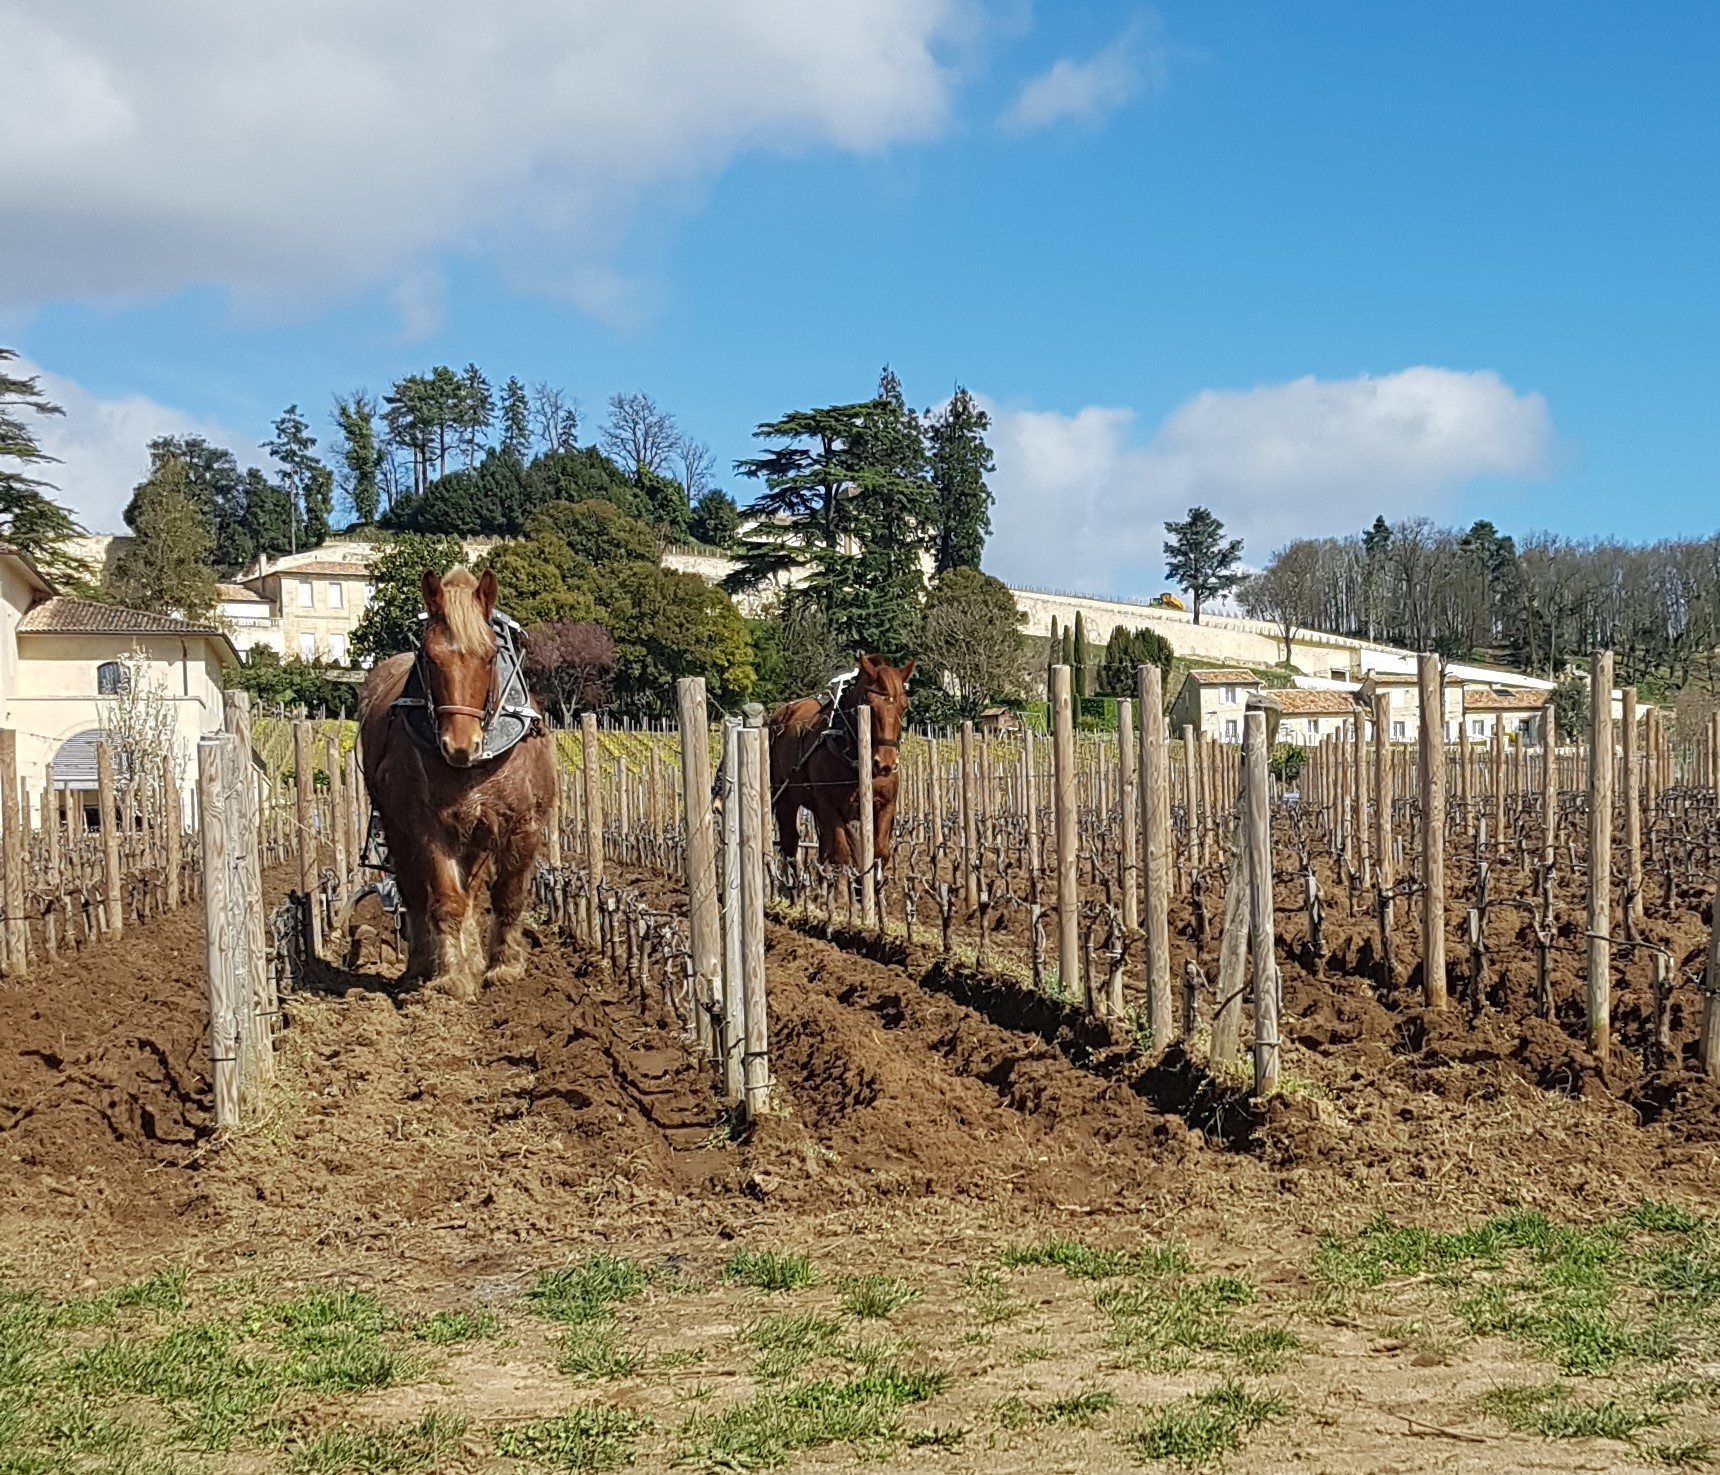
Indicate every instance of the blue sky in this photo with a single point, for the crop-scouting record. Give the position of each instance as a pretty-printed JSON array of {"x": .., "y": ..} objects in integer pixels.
[{"x": 1301, "y": 263}]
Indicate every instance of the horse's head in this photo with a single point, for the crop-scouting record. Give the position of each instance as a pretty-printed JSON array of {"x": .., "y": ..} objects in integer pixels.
[
  {"x": 459, "y": 660},
  {"x": 884, "y": 688}
]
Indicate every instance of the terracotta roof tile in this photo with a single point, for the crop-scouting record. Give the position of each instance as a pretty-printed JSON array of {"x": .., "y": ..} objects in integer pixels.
[
  {"x": 1224, "y": 676},
  {"x": 1310, "y": 703},
  {"x": 1497, "y": 700},
  {"x": 64, "y": 615}
]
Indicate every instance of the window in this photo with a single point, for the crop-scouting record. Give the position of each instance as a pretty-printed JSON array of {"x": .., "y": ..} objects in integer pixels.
[
  {"x": 1231, "y": 734},
  {"x": 112, "y": 679},
  {"x": 337, "y": 649},
  {"x": 1338, "y": 673},
  {"x": 369, "y": 594},
  {"x": 306, "y": 598},
  {"x": 1398, "y": 733},
  {"x": 307, "y": 644},
  {"x": 1477, "y": 727},
  {"x": 1228, "y": 694},
  {"x": 336, "y": 595},
  {"x": 1313, "y": 727}
]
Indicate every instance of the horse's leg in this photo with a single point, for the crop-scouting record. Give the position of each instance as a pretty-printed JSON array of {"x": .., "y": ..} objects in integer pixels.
[
  {"x": 506, "y": 962},
  {"x": 883, "y": 822},
  {"x": 451, "y": 925},
  {"x": 787, "y": 808},
  {"x": 414, "y": 888}
]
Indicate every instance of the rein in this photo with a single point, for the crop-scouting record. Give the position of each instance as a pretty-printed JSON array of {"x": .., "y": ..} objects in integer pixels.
[{"x": 507, "y": 707}]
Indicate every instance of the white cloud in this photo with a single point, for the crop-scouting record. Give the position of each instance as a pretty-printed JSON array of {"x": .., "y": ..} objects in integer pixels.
[
  {"x": 290, "y": 149},
  {"x": 1087, "y": 91},
  {"x": 102, "y": 445},
  {"x": 1079, "y": 505}
]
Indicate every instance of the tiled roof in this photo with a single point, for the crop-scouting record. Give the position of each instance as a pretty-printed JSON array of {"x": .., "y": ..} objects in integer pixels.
[
  {"x": 64, "y": 615},
  {"x": 1224, "y": 676},
  {"x": 327, "y": 569},
  {"x": 1310, "y": 703},
  {"x": 238, "y": 594},
  {"x": 1498, "y": 699}
]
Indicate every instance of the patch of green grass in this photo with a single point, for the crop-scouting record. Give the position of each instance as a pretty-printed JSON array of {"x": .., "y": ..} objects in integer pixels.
[
  {"x": 590, "y": 1350},
  {"x": 1166, "y": 1326},
  {"x": 587, "y": 1441},
  {"x": 1679, "y": 1454},
  {"x": 1553, "y": 1411},
  {"x": 1659, "y": 1218},
  {"x": 445, "y": 1328},
  {"x": 1038, "y": 1350},
  {"x": 877, "y": 1296},
  {"x": 162, "y": 1294},
  {"x": 993, "y": 1304},
  {"x": 763, "y": 1432},
  {"x": 395, "y": 1450},
  {"x": 770, "y": 1270},
  {"x": 785, "y": 1344},
  {"x": 589, "y": 1290},
  {"x": 1195, "y": 1431},
  {"x": 1084, "y": 1262},
  {"x": 1079, "y": 1411}
]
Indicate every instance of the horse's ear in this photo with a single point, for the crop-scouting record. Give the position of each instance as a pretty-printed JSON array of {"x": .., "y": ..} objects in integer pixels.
[
  {"x": 432, "y": 586},
  {"x": 868, "y": 663},
  {"x": 908, "y": 670},
  {"x": 487, "y": 592}
]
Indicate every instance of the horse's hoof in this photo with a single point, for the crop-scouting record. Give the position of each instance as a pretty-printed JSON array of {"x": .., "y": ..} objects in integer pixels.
[
  {"x": 502, "y": 974},
  {"x": 460, "y": 989}
]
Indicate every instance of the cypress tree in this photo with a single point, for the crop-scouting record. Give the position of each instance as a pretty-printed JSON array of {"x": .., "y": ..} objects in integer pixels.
[
  {"x": 1053, "y": 654},
  {"x": 1079, "y": 679}
]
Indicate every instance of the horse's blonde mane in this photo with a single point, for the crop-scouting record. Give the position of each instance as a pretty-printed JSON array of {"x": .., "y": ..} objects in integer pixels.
[{"x": 468, "y": 630}]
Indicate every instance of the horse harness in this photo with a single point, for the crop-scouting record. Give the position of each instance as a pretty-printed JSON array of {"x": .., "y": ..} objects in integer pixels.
[
  {"x": 839, "y": 729},
  {"x": 507, "y": 714}
]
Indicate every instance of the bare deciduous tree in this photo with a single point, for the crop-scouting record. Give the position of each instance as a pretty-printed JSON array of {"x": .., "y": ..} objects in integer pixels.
[
  {"x": 639, "y": 434},
  {"x": 555, "y": 417}
]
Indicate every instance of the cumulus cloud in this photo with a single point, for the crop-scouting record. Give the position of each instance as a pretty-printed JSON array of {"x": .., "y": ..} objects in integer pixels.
[
  {"x": 102, "y": 445},
  {"x": 1088, "y": 91},
  {"x": 302, "y": 148},
  {"x": 1081, "y": 504}
]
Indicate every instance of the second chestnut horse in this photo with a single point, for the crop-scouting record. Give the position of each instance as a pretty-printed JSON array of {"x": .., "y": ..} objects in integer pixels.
[{"x": 814, "y": 762}]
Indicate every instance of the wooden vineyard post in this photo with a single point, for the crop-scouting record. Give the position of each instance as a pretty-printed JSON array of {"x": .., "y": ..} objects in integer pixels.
[
  {"x": 593, "y": 839},
  {"x": 14, "y": 847},
  {"x": 970, "y": 823},
  {"x": 1384, "y": 869},
  {"x": 1067, "y": 838},
  {"x": 1232, "y": 956},
  {"x": 756, "y": 1061},
  {"x": 337, "y": 802},
  {"x": 113, "y": 918},
  {"x": 51, "y": 858},
  {"x": 1191, "y": 800},
  {"x": 1708, "y": 1041},
  {"x": 1359, "y": 794},
  {"x": 734, "y": 939},
  {"x": 704, "y": 913},
  {"x": 1496, "y": 778},
  {"x": 1128, "y": 810},
  {"x": 304, "y": 827},
  {"x": 1599, "y": 991},
  {"x": 552, "y": 825},
  {"x": 1432, "y": 696},
  {"x": 1257, "y": 822},
  {"x": 1632, "y": 815},
  {"x": 868, "y": 837},
  {"x": 220, "y": 946},
  {"x": 355, "y": 826},
  {"x": 1155, "y": 801},
  {"x": 173, "y": 823}
]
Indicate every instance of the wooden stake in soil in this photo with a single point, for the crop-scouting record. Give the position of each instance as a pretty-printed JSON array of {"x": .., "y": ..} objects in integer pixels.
[
  {"x": 757, "y": 1058},
  {"x": 1155, "y": 799},
  {"x": 219, "y": 944},
  {"x": 970, "y": 822},
  {"x": 1128, "y": 811},
  {"x": 704, "y": 914},
  {"x": 14, "y": 846},
  {"x": 1232, "y": 955},
  {"x": 1432, "y": 831},
  {"x": 1632, "y": 814},
  {"x": 1257, "y": 822},
  {"x": 1599, "y": 992},
  {"x": 1067, "y": 835},
  {"x": 593, "y": 818},
  {"x": 1384, "y": 868},
  {"x": 112, "y": 881},
  {"x": 305, "y": 843},
  {"x": 1708, "y": 1042},
  {"x": 734, "y": 1031}
]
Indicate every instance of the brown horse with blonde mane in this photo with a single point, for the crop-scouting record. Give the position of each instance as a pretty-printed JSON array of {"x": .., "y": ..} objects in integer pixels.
[
  {"x": 814, "y": 762},
  {"x": 457, "y": 819}
]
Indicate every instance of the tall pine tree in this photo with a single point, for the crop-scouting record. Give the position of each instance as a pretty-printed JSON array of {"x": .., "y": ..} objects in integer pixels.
[
  {"x": 960, "y": 460},
  {"x": 892, "y": 517},
  {"x": 30, "y": 520},
  {"x": 1200, "y": 558},
  {"x": 355, "y": 415}
]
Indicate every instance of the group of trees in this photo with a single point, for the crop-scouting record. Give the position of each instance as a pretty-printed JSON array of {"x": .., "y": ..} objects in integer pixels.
[
  {"x": 1538, "y": 604},
  {"x": 1113, "y": 673}
]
